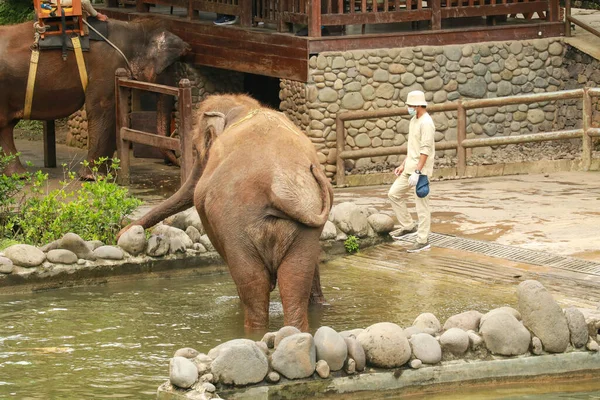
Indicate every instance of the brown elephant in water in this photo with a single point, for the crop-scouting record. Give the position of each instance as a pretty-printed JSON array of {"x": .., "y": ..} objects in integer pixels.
[
  {"x": 263, "y": 199},
  {"x": 58, "y": 91}
]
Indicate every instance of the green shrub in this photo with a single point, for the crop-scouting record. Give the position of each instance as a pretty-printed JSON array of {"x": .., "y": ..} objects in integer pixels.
[
  {"x": 15, "y": 11},
  {"x": 93, "y": 210},
  {"x": 10, "y": 188},
  {"x": 351, "y": 244}
]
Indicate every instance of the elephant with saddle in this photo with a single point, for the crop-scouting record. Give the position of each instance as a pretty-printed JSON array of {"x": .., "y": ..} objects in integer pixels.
[
  {"x": 58, "y": 90},
  {"x": 263, "y": 200}
]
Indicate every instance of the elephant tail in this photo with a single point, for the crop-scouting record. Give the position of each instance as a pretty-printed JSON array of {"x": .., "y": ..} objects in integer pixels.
[{"x": 289, "y": 201}]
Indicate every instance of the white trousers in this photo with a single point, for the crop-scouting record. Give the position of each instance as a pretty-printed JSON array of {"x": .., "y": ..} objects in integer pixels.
[{"x": 398, "y": 195}]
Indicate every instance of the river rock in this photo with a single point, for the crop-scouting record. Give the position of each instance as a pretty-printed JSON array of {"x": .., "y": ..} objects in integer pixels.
[
  {"x": 109, "y": 253},
  {"x": 356, "y": 352},
  {"x": 133, "y": 240},
  {"x": 182, "y": 372},
  {"x": 322, "y": 369},
  {"x": 329, "y": 232},
  {"x": 426, "y": 348},
  {"x": 592, "y": 345},
  {"x": 412, "y": 330},
  {"x": 330, "y": 347},
  {"x": 385, "y": 345},
  {"x": 283, "y": 333},
  {"x": 536, "y": 346},
  {"x": 205, "y": 241},
  {"x": 51, "y": 246},
  {"x": 24, "y": 255},
  {"x": 455, "y": 340},
  {"x": 158, "y": 246},
  {"x": 273, "y": 377},
  {"x": 209, "y": 387},
  {"x": 62, "y": 256},
  {"x": 508, "y": 310},
  {"x": 543, "y": 316},
  {"x": 176, "y": 246},
  {"x": 578, "y": 329},
  {"x": 214, "y": 352},
  {"x": 240, "y": 364},
  {"x": 381, "y": 223},
  {"x": 505, "y": 335},
  {"x": 295, "y": 356},
  {"x": 94, "y": 244},
  {"x": 350, "y": 366},
  {"x": 203, "y": 363},
  {"x": 467, "y": 321},
  {"x": 185, "y": 219},
  {"x": 416, "y": 363},
  {"x": 186, "y": 352},
  {"x": 6, "y": 265},
  {"x": 77, "y": 245},
  {"x": 475, "y": 340},
  {"x": 263, "y": 347},
  {"x": 173, "y": 233},
  {"x": 351, "y": 333},
  {"x": 269, "y": 339},
  {"x": 193, "y": 234},
  {"x": 199, "y": 248},
  {"x": 428, "y": 323},
  {"x": 350, "y": 219}
]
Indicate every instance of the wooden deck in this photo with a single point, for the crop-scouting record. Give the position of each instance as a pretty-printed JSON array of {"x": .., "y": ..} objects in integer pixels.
[{"x": 263, "y": 42}]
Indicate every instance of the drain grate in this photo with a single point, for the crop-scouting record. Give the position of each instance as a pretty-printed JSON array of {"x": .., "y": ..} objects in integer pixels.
[{"x": 510, "y": 253}]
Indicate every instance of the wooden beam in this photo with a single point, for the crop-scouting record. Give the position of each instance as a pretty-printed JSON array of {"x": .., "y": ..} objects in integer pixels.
[
  {"x": 498, "y": 9},
  {"x": 49, "y": 144},
  {"x": 150, "y": 139},
  {"x": 376, "y": 18}
]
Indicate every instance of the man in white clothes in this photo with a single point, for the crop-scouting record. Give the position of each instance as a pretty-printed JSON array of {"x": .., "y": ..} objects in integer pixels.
[{"x": 418, "y": 161}]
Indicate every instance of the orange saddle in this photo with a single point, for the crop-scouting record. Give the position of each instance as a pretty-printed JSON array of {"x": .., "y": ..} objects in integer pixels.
[{"x": 50, "y": 14}]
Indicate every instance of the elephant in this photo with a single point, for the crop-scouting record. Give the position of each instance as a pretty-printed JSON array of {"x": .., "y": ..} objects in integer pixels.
[
  {"x": 58, "y": 91},
  {"x": 263, "y": 199}
]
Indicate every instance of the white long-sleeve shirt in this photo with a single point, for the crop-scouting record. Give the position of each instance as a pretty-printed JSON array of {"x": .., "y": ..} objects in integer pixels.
[{"x": 421, "y": 140}]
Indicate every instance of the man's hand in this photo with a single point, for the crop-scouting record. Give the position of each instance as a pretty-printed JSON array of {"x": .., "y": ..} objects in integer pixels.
[
  {"x": 101, "y": 17},
  {"x": 413, "y": 179},
  {"x": 399, "y": 170}
]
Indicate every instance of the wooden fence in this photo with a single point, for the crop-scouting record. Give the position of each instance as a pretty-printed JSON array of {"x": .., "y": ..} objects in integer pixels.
[
  {"x": 586, "y": 132},
  {"x": 126, "y": 135}
]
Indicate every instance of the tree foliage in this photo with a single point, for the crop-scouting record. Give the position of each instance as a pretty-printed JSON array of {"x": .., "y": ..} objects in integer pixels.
[{"x": 15, "y": 11}]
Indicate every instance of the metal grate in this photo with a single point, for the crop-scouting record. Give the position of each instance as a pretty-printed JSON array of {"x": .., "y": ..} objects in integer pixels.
[{"x": 510, "y": 253}]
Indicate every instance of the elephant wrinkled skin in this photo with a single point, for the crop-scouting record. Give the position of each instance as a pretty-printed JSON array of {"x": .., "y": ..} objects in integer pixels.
[
  {"x": 58, "y": 92},
  {"x": 263, "y": 199}
]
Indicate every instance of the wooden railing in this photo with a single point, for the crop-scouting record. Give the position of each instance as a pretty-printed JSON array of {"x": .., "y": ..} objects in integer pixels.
[
  {"x": 318, "y": 13},
  {"x": 586, "y": 132},
  {"x": 569, "y": 19},
  {"x": 126, "y": 135}
]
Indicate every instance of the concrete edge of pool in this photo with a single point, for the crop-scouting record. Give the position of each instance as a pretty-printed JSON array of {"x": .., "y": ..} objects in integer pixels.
[
  {"x": 54, "y": 276},
  {"x": 405, "y": 380}
]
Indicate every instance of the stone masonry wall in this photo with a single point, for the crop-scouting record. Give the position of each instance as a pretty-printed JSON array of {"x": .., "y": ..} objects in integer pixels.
[{"x": 382, "y": 78}]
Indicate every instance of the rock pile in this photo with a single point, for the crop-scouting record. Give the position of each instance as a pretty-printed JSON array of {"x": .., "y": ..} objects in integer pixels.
[{"x": 539, "y": 326}]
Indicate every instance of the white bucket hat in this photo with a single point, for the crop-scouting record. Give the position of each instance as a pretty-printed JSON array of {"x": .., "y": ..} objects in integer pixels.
[{"x": 416, "y": 98}]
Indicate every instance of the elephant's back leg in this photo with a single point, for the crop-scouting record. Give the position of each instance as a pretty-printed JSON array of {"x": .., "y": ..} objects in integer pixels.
[
  {"x": 253, "y": 285},
  {"x": 7, "y": 146},
  {"x": 295, "y": 277}
]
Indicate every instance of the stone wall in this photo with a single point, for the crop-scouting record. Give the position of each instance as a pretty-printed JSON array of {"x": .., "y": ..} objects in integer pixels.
[{"x": 376, "y": 79}]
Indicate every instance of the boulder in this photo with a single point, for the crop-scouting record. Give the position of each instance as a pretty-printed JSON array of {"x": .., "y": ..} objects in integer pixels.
[
  {"x": 176, "y": 246},
  {"x": 508, "y": 310},
  {"x": 505, "y": 335},
  {"x": 350, "y": 219},
  {"x": 203, "y": 363},
  {"x": 62, "y": 256},
  {"x": 295, "y": 356},
  {"x": 356, "y": 352},
  {"x": 283, "y": 333},
  {"x": 416, "y": 363},
  {"x": 475, "y": 340},
  {"x": 199, "y": 248},
  {"x": 385, "y": 345},
  {"x": 77, "y": 245},
  {"x": 329, "y": 232},
  {"x": 428, "y": 323},
  {"x": 543, "y": 316},
  {"x": 322, "y": 369},
  {"x": 24, "y": 255},
  {"x": 133, "y": 240},
  {"x": 240, "y": 364},
  {"x": 467, "y": 321},
  {"x": 273, "y": 377},
  {"x": 194, "y": 234},
  {"x": 269, "y": 339},
  {"x": 214, "y": 352},
  {"x": 205, "y": 241},
  {"x": 263, "y": 347},
  {"x": 109, "y": 253},
  {"x": 426, "y": 348},
  {"x": 50, "y": 246},
  {"x": 94, "y": 244},
  {"x": 6, "y": 265},
  {"x": 381, "y": 223},
  {"x": 578, "y": 328},
  {"x": 350, "y": 366},
  {"x": 182, "y": 372},
  {"x": 331, "y": 347},
  {"x": 186, "y": 352},
  {"x": 536, "y": 346},
  {"x": 173, "y": 233},
  {"x": 185, "y": 219},
  {"x": 351, "y": 333},
  {"x": 455, "y": 341},
  {"x": 158, "y": 246},
  {"x": 411, "y": 330}
]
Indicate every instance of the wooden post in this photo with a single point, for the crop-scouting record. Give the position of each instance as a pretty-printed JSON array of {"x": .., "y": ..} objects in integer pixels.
[
  {"x": 340, "y": 178},
  {"x": 436, "y": 15},
  {"x": 461, "y": 134},
  {"x": 140, "y": 6},
  {"x": 246, "y": 13},
  {"x": 586, "y": 150},
  {"x": 567, "y": 15},
  {"x": 185, "y": 128},
  {"x": 314, "y": 18},
  {"x": 122, "y": 110},
  {"x": 553, "y": 11},
  {"x": 49, "y": 144}
]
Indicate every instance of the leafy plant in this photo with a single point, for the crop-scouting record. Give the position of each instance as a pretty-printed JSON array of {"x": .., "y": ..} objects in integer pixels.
[
  {"x": 15, "y": 11},
  {"x": 10, "y": 187},
  {"x": 94, "y": 210},
  {"x": 351, "y": 244}
]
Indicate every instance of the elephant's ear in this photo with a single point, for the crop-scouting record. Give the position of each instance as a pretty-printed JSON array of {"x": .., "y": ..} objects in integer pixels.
[{"x": 214, "y": 124}]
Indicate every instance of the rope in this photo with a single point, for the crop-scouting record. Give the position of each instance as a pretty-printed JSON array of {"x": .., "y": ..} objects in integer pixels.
[{"x": 113, "y": 45}]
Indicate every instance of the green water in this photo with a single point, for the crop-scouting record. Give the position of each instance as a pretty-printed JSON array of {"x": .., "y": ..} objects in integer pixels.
[{"x": 115, "y": 341}]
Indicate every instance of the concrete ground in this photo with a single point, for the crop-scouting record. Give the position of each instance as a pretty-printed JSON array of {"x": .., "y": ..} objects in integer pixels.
[{"x": 582, "y": 39}]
